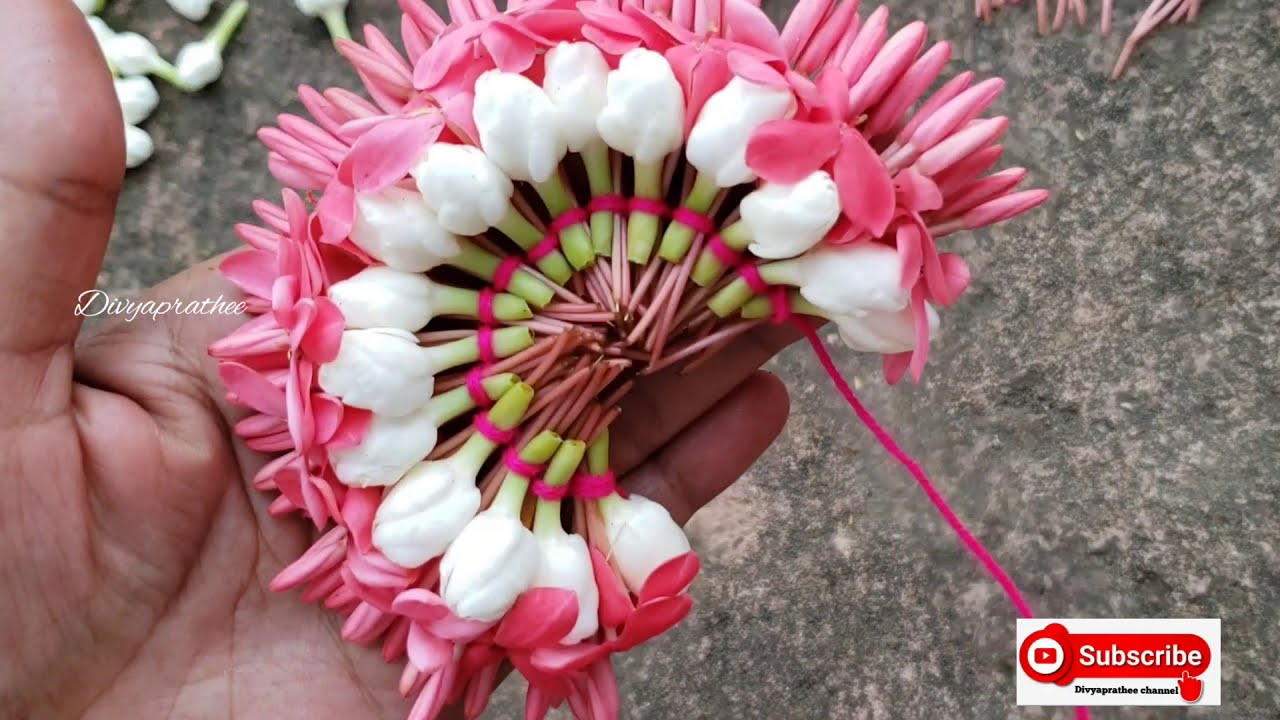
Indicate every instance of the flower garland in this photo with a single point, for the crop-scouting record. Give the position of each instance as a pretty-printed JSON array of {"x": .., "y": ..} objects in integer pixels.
[{"x": 540, "y": 207}]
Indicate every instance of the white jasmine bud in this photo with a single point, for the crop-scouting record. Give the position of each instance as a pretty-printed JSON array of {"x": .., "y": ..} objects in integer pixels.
[
  {"x": 717, "y": 144},
  {"x": 518, "y": 126},
  {"x": 643, "y": 115},
  {"x": 642, "y": 537},
  {"x": 138, "y": 98},
  {"x": 787, "y": 220},
  {"x": 397, "y": 227},
  {"x": 467, "y": 191},
  {"x": 138, "y": 146},
  {"x": 575, "y": 79}
]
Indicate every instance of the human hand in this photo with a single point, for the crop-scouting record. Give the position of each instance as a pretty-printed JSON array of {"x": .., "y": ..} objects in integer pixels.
[{"x": 134, "y": 556}]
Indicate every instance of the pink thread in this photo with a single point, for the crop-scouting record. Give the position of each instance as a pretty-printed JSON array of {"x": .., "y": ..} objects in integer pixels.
[
  {"x": 475, "y": 386},
  {"x": 484, "y": 339},
  {"x": 694, "y": 219},
  {"x": 751, "y": 275},
  {"x": 485, "y": 427},
  {"x": 549, "y": 492},
  {"x": 592, "y": 487},
  {"x": 485, "y": 308},
  {"x": 505, "y": 271},
  {"x": 615, "y": 204},
  {"x": 572, "y": 216},
  {"x": 652, "y": 206},
  {"x": 725, "y": 254},
  {"x": 971, "y": 543},
  {"x": 549, "y": 244},
  {"x": 781, "y": 305},
  {"x": 511, "y": 458}
]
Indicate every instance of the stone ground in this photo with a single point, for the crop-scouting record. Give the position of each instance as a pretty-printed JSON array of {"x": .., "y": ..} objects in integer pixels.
[{"x": 1103, "y": 407}]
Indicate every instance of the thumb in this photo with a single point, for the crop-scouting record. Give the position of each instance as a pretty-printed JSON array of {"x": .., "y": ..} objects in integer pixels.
[{"x": 61, "y": 165}]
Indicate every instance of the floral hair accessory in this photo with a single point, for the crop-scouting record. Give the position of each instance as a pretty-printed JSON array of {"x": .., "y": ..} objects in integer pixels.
[{"x": 530, "y": 210}]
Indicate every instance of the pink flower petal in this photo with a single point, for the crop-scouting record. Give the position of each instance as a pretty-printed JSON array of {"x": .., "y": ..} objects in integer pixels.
[
  {"x": 358, "y": 510},
  {"x": 917, "y": 192},
  {"x": 895, "y": 366},
  {"x": 1003, "y": 208},
  {"x": 427, "y": 652},
  {"x": 336, "y": 211},
  {"x": 351, "y": 431},
  {"x": 910, "y": 254},
  {"x": 420, "y": 605},
  {"x": 754, "y": 70},
  {"x": 615, "y": 602},
  {"x": 652, "y": 619},
  {"x": 746, "y": 23},
  {"x": 384, "y": 155},
  {"x": 787, "y": 151},
  {"x": 920, "y": 354},
  {"x": 866, "y": 190},
  {"x": 253, "y": 271},
  {"x": 671, "y": 578},
  {"x": 541, "y": 616},
  {"x": 511, "y": 50},
  {"x": 325, "y": 334},
  {"x": 252, "y": 389},
  {"x": 956, "y": 273}
]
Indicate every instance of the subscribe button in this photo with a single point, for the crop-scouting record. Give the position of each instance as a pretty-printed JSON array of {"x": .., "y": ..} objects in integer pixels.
[{"x": 1119, "y": 662}]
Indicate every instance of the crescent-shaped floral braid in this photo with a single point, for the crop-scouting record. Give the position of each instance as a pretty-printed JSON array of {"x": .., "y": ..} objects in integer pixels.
[{"x": 531, "y": 211}]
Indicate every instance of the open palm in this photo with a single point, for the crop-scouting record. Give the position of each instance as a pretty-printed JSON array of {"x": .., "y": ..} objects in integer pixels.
[{"x": 134, "y": 556}]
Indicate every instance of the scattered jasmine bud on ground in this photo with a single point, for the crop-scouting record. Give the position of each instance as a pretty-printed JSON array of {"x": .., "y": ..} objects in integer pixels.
[
  {"x": 137, "y": 145},
  {"x": 132, "y": 54},
  {"x": 193, "y": 10},
  {"x": 200, "y": 63},
  {"x": 138, "y": 98},
  {"x": 332, "y": 12}
]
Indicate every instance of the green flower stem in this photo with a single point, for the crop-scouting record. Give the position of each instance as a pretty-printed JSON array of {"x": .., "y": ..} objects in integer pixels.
[
  {"x": 598, "y": 455},
  {"x": 708, "y": 268},
  {"x": 505, "y": 414},
  {"x": 99, "y": 6},
  {"x": 450, "y": 300},
  {"x": 737, "y": 293},
  {"x": 335, "y": 20},
  {"x": 483, "y": 264},
  {"x": 759, "y": 307},
  {"x": 506, "y": 342},
  {"x": 595, "y": 156},
  {"x": 524, "y": 234},
  {"x": 573, "y": 239},
  {"x": 510, "y": 498},
  {"x": 546, "y": 519},
  {"x": 678, "y": 237},
  {"x": 642, "y": 228},
  {"x": 168, "y": 72},
  {"x": 225, "y": 29},
  {"x": 455, "y": 403}
]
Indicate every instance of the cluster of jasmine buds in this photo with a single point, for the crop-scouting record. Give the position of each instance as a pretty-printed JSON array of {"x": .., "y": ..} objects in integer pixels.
[
  {"x": 133, "y": 59},
  {"x": 532, "y": 213}
]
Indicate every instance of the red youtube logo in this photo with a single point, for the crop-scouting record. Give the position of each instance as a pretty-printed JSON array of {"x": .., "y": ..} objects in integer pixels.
[{"x": 1046, "y": 655}]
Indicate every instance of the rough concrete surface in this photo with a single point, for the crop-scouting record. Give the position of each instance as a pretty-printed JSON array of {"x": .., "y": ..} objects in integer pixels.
[{"x": 1103, "y": 407}]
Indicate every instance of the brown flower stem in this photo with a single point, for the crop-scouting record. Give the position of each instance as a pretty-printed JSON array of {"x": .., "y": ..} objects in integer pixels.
[
  {"x": 662, "y": 332},
  {"x": 554, "y": 395},
  {"x": 616, "y": 396},
  {"x": 642, "y": 286},
  {"x": 557, "y": 351},
  {"x": 523, "y": 206},
  {"x": 600, "y": 316},
  {"x": 445, "y": 448},
  {"x": 582, "y": 428},
  {"x": 603, "y": 425},
  {"x": 715, "y": 338},
  {"x": 660, "y": 297}
]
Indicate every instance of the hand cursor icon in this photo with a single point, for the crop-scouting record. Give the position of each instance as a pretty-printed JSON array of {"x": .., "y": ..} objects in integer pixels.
[{"x": 1190, "y": 688}]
